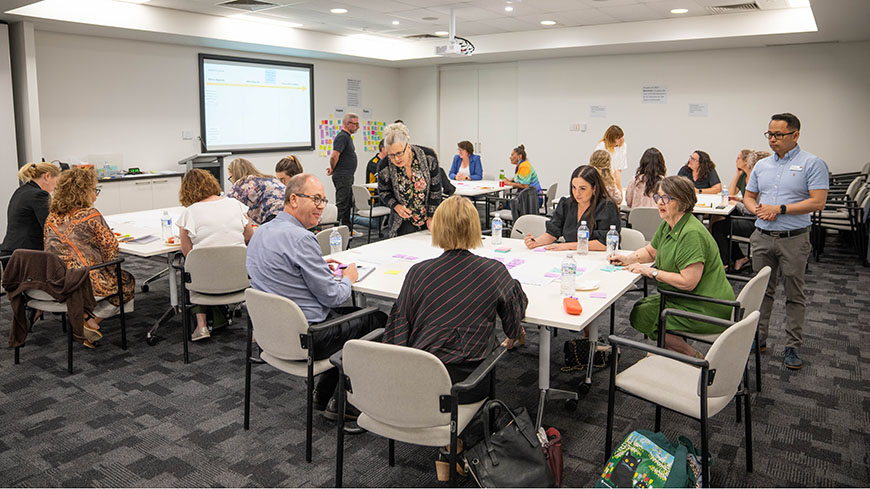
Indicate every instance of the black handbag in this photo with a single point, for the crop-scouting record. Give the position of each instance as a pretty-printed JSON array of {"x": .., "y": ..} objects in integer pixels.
[{"x": 511, "y": 455}]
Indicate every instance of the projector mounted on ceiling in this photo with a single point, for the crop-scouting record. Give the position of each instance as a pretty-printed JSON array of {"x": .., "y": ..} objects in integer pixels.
[{"x": 456, "y": 46}]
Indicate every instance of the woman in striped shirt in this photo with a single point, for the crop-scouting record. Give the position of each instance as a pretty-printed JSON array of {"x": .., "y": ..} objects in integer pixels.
[{"x": 447, "y": 305}]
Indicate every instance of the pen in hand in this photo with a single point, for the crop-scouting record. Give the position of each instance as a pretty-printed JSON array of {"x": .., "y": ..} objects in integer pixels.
[{"x": 527, "y": 234}]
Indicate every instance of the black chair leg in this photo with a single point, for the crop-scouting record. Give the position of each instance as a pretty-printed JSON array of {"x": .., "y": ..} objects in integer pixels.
[
  {"x": 757, "y": 363},
  {"x": 391, "y": 455},
  {"x": 658, "y": 425},
  {"x": 69, "y": 343},
  {"x": 248, "y": 353},
  {"x": 17, "y": 355},
  {"x": 705, "y": 454},
  {"x": 453, "y": 457},
  {"x": 339, "y": 426},
  {"x": 748, "y": 428},
  {"x": 121, "y": 301},
  {"x": 309, "y": 409},
  {"x": 185, "y": 330},
  {"x": 611, "y": 397}
]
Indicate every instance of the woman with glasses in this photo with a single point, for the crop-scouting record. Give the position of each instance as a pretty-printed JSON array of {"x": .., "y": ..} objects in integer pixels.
[
  {"x": 466, "y": 165},
  {"x": 682, "y": 256},
  {"x": 410, "y": 185},
  {"x": 262, "y": 194},
  {"x": 28, "y": 208},
  {"x": 77, "y": 233},
  {"x": 589, "y": 202},
  {"x": 287, "y": 168},
  {"x": 650, "y": 172},
  {"x": 701, "y": 170},
  {"x": 209, "y": 220}
]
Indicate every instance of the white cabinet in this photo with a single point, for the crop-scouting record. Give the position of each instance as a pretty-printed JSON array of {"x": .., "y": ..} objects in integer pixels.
[
  {"x": 164, "y": 192},
  {"x": 140, "y": 194},
  {"x": 135, "y": 195},
  {"x": 109, "y": 200}
]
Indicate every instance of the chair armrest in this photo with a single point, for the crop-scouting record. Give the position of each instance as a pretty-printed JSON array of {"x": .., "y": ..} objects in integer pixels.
[
  {"x": 342, "y": 319},
  {"x": 328, "y": 223},
  {"x": 683, "y": 295},
  {"x": 106, "y": 264},
  {"x": 737, "y": 278},
  {"x": 479, "y": 373},
  {"x": 695, "y": 316},
  {"x": 336, "y": 358},
  {"x": 636, "y": 345},
  {"x": 742, "y": 218}
]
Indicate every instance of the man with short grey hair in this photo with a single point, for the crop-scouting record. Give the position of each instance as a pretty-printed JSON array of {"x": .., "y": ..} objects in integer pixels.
[{"x": 342, "y": 166}]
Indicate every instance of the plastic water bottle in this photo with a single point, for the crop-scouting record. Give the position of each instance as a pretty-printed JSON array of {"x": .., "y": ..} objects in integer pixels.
[
  {"x": 497, "y": 226},
  {"x": 583, "y": 239},
  {"x": 612, "y": 241},
  {"x": 724, "y": 196},
  {"x": 334, "y": 241},
  {"x": 166, "y": 226},
  {"x": 501, "y": 178},
  {"x": 569, "y": 272}
]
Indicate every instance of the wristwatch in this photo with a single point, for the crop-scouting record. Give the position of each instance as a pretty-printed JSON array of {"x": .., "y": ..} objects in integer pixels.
[
  {"x": 782, "y": 209},
  {"x": 655, "y": 274}
]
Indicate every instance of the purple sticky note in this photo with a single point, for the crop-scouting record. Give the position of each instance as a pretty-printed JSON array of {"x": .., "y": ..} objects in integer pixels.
[
  {"x": 598, "y": 295},
  {"x": 540, "y": 250},
  {"x": 551, "y": 275},
  {"x": 581, "y": 269}
]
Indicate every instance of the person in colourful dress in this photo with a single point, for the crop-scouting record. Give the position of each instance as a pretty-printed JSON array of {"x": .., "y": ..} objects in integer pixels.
[
  {"x": 262, "y": 194},
  {"x": 525, "y": 175}
]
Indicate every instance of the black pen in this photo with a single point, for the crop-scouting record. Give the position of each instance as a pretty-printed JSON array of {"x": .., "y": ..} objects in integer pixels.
[{"x": 521, "y": 232}]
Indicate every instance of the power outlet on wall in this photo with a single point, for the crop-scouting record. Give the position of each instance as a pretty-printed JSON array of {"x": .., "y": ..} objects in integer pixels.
[
  {"x": 574, "y": 127},
  {"x": 186, "y": 135}
]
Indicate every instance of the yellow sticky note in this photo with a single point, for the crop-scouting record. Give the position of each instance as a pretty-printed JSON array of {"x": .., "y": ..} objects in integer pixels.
[{"x": 393, "y": 272}]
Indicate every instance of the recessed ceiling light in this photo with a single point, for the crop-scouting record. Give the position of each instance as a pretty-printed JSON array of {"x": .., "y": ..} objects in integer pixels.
[
  {"x": 679, "y": 11},
  {"x": 508, "y": 9},
  {"x": 441, "y": 33},
  {"x": 548, "y": 22},
  {"x": 338, "y": 10},
  {"x": 396, "y": 22}
]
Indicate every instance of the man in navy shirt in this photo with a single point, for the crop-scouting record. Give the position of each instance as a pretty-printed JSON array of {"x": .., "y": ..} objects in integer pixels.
[
  {"x": 783, "y": 190},
  {"x": 342, "y": 166}
]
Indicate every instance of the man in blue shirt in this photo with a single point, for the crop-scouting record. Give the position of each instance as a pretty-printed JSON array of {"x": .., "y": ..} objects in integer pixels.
[
  {"x": 783, "y": 190},
  {"x": 284, "y": 259}
]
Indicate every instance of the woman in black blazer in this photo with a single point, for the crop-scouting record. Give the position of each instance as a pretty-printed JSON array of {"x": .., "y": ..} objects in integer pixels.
[{"x": 28, "y": 208}]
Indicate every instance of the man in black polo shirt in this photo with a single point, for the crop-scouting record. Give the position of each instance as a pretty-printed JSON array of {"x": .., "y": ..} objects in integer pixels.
[{"x": 342, "y": 166}]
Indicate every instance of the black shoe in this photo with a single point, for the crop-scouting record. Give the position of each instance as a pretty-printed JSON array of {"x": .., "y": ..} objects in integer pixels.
[
  {"x": 763, "y": 347},
  {"x": 320, "y": 401},
  {"x": 792, "y": 360},
  {"x": 331, "y": 412}
]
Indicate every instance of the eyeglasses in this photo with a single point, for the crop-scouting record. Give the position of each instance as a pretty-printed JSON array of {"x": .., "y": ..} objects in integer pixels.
[
  {"x": 665, "y": 199},
  {"x": 318, "y": 200},
  {"x": 97, "y": 190},
  {"x": 393, "y": 156},
  {"x": 777, "y": 135},
  {"x": 692, "y": 158}
]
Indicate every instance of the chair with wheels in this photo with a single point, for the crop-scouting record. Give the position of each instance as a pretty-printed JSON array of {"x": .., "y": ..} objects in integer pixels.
[
  {"x": 284, "y": 338},
  {"x": 404, "y": 394},
  {"x": 212, "y": 276},
  {"x": 694, "y": 387},
  {"x": 365, "y": 208},
  {"x": 323, "y": 239}
]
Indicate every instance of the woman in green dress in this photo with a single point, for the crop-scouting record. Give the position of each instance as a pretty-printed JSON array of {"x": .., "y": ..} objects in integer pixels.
[{"x": 686, "y": 259}]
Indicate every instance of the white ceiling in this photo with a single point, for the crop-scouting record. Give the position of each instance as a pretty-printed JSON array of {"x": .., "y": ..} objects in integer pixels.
[{"x": 366, "y": 33}]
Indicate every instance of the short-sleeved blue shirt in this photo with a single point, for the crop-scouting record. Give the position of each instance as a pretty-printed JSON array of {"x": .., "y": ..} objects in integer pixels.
[{"x": 782, "y": 181}]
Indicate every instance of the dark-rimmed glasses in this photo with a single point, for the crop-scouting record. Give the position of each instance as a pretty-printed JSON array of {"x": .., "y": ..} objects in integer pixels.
[
  {"x": 393, "y": 156},
  {"x": 318, "y": 200},
  {"x": 777, "y": 135},
  {"x": 665, "y": 199}
]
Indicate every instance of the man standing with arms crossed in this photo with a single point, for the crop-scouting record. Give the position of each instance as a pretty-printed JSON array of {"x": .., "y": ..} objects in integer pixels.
[
  {"x": 783, "y": 190},
  {"x": 342, "y": 166}
]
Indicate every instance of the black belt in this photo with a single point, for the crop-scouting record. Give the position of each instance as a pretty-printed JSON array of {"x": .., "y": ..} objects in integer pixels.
[{"x": 785, "y": 234}]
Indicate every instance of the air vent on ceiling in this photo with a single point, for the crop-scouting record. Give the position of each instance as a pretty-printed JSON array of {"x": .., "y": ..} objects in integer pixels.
[
  {"x": 423, "y": 36},
  {"x": 248, "y": 5},
  {"x": 734, "y": 8}
]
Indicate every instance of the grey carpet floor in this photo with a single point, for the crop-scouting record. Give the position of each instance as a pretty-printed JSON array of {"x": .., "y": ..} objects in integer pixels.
[{"x": 141, "y": 417}]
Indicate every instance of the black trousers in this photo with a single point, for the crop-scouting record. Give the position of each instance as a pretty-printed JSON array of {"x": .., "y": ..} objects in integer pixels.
[
  {"x": 327, "y": 342},
  {"x": 344, "y": 198},
  {"x": 460, "y": 371},
  {"x": 742, "y": 227},
  {"x": 408, "y": 227}
]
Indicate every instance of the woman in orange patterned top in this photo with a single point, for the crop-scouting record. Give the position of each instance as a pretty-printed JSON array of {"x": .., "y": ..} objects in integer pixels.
[{"x": 78, "y": 234}]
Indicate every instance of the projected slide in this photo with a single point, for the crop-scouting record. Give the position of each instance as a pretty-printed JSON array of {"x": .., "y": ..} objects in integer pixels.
[{"x": 255, "y": 105}]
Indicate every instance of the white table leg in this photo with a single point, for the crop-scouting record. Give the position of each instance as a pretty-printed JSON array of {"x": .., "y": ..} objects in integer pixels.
[{"x": 544, "y": 376}]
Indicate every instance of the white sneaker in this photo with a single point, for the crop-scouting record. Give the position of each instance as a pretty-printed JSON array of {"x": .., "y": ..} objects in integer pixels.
[
  {"x": 200, "y": 334},
  {"x": 356, "y": 234}
]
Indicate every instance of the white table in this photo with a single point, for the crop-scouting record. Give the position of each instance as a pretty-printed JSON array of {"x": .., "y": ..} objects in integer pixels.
[
  {"x": 143, "y": 223},
  {"x": 477, "y": 188},
  {"x": 706, "y": 205},
  {"x": 545, "y": 302}
]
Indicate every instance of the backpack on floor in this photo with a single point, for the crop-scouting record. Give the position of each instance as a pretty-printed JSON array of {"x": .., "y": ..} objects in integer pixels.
[{"x": 647, "y": 459}]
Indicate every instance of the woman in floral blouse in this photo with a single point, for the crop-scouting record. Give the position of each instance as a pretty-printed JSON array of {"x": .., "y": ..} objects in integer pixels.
[
  {"x": 411, "y": 185},
  {"x": 77, "y": 233},
  {"x": 262, "y": 194}
]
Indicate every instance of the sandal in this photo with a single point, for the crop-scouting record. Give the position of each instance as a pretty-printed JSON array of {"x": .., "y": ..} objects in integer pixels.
[
  {"x": 442, "y": 463},
  {"x": 91, "y": 334}
]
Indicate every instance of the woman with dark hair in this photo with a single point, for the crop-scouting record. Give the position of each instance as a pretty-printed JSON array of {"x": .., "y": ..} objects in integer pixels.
[
  {"x": 524, "y": 174},
  {"x": 685, "y": 259},
  {"x": 209, "y": 220},
  {"x": 649, "y": 173},
  {"x": 466, "y": 165},
  {"x": 589, "y": 202},
  {"x": 287, "y": 168},
  {"x": 701, "y": 170}
]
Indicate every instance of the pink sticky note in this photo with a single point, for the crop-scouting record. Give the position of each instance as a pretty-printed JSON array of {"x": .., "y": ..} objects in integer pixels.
[
  {"x": 540, "y": 250},
  {"x": 598, "y": 295},
  {"x": 551, "y": 275},
  {"x": 581, "y": 269}
]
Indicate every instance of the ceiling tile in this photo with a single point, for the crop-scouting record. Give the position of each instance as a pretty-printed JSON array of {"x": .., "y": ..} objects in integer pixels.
[{"x": 631, "y": 13}]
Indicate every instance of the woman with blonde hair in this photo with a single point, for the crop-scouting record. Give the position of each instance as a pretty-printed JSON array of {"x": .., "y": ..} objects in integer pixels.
[
  {"x": 263, "y": 194},
  {"x": 614, "y": 143},
  {"x": 28, "y": 207},
  {"x": 77, "y": 233},
  {"x": 287, "y": 168},
  {"x": 209, "y": 220},
  {"x": 600, "y": 160}
]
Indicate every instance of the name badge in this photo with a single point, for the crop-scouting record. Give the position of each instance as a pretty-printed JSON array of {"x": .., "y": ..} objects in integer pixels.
[{"x": 796, "y": 168}]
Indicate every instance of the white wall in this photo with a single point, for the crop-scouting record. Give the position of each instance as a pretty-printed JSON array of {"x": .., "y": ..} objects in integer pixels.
[
  {"x": 100, "y": 95},
  {"x": 418, "y": 104},
  {"x": 8, "y": 154},
  {"x": 825, "y": 85}
]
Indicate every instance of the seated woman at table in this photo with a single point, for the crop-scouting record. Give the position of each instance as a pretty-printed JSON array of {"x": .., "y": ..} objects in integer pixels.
[
  {"x": 28, "y": 208},
  {"x": 262, "y": 194},
  {"x": 746, "y": 160},
  {"x": 524, "y": 174},
  {"x": 646, "y": 180},
  {"x": 460, "y": 331},
  {"x": 410, "y": 185},
  {"x": 686, "y": 259},
  {"x": 77, "y": 233},
  {"x": 209, "y": 220},
  {"x": 589, "y": 202},
  {"x": 600, "y": 160},
  {"x": 701, "y": 171},
  {"x": 287, "y": 168},
  {"x": 466, "y": 165}
]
